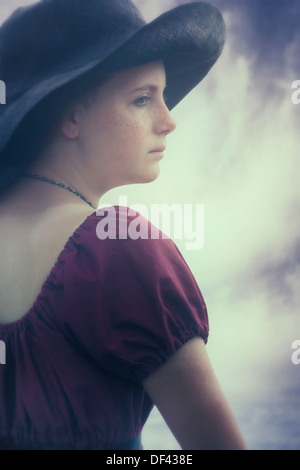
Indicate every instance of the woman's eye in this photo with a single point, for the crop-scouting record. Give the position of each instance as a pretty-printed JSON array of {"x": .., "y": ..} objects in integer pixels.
[{"x": 142, "y": 100}]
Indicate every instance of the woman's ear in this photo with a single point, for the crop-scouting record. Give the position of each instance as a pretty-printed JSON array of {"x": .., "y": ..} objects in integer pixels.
[{"x": 70, "y": 123}]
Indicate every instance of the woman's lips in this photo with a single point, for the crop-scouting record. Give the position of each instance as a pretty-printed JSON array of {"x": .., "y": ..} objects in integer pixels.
[{"x": 158, "y": 152}]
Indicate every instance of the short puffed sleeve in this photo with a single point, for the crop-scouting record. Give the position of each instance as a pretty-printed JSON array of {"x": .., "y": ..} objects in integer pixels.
[{"x": 129, "y": 302}]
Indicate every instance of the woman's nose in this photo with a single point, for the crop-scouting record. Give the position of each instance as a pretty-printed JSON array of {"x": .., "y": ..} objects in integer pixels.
[{"x": 165, "y": 122}]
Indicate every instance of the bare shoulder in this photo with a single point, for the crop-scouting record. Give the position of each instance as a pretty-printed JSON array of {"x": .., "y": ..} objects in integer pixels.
[
  {"x": 187, "y": 393},
  {"x": 31, "y": 241}
]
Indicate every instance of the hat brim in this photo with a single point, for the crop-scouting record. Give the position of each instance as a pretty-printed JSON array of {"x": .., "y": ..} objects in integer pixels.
[{"x": 189, "y": 39}]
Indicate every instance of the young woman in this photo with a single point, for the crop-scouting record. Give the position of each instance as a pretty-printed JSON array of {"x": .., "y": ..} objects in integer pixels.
[{"x": 97, "y": 330}]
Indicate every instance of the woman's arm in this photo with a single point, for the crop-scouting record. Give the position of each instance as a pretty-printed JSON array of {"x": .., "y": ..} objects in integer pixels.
[{"x": 188, "y": 395}]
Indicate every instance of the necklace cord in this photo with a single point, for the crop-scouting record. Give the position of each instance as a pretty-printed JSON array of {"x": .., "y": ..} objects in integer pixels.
[{"x": 61, "y": 185}]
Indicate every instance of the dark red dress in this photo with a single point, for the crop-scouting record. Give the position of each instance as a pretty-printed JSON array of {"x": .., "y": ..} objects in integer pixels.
[{"x": 110, "y": 312}]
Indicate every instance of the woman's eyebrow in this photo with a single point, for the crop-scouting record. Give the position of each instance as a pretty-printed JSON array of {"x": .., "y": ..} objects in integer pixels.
[{"x": 147, "y": 87}]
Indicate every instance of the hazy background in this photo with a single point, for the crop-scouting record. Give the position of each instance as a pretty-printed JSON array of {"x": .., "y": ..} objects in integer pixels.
[{"x": 235, "y": 150}]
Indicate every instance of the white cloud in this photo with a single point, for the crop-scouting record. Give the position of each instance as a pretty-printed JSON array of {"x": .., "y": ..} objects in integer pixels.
[
  {"x": 8, "y": 6},
  {"x": 236, "y": 150}
]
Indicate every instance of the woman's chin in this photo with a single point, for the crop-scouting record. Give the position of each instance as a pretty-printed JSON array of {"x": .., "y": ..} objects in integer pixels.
[
  {"x": 142, "y": 177},
  {"x": 152, "y": 174},
  {"x": 149, "y": 178}
]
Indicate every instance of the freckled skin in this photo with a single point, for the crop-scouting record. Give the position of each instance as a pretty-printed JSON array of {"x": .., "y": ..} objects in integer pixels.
[
  {"x": 117, "y": 132},
  {"x": 106, "y": 137}
]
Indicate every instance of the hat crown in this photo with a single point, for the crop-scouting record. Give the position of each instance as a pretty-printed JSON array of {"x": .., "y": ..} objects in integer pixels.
[
  {"x": 50, "y": 44},
  {"x": 53, "y": 33}
]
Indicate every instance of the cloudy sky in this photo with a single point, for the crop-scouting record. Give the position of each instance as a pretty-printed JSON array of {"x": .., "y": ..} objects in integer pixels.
[{"x": 235, "y": 152}]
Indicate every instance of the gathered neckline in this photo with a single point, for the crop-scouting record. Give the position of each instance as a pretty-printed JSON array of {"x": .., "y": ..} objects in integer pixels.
[{"x": 24, "y": 317}]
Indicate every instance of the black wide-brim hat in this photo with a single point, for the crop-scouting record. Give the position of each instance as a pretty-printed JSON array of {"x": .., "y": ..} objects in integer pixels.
[{"x": 52, "y": 42}]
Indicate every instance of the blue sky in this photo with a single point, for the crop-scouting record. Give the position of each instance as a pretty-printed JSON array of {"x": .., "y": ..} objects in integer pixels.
[{"x": 235, "y": 150}]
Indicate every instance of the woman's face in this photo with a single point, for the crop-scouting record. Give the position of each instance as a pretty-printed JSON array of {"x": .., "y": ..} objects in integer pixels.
[{"x": 122, "y": 134}]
